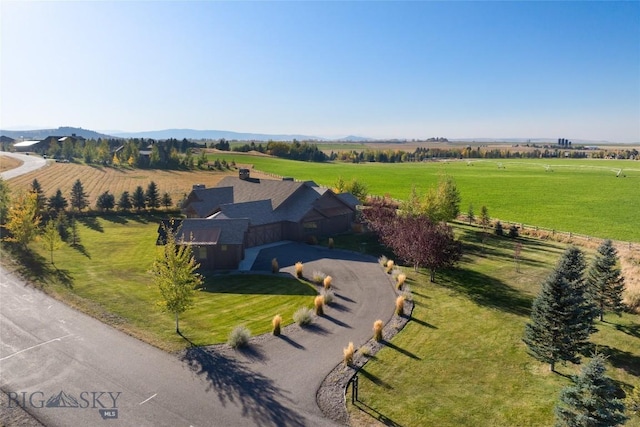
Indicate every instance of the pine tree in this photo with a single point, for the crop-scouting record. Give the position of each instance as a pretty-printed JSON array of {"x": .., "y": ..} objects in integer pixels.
[
  {"x": 78, "y": 196},
  {"x": 166, "y": 200},
  {"x": 573, "y": 264},
  {"x": 151, "y": 196},
  {"x": 560, "y": 319},
  {"x": 57, "y": 202},
  {"x": 41, "y": 199},
  {"x": 137, "y": 199},
  {"x": 590, "y": 401},
  {"x": 605, "y": 282},
  {"x": 125, "y": 201}
]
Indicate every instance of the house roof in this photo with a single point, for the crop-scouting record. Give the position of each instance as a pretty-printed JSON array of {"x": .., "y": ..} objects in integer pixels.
[
  {"x": 201, "y": 231},
  {"x": 26, "y": 143},
  {"x": 205, "y": 201},
  {"x": 251, "y": 189}
]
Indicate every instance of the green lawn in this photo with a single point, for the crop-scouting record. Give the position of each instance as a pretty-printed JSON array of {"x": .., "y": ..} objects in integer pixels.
[
  {"x": 107, "y": 276},
  {"x": 461, "y": 360},
  {"x": 580, "y": 196}
]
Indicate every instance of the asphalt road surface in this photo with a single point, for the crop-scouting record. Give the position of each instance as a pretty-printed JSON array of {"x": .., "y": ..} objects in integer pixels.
[{"x": 30, "y": 164}]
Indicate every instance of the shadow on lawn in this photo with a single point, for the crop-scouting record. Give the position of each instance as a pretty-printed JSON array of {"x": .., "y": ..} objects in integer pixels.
[
  {"x": 256, "y": 284},
  {"x": 91, "y": 222},
  {"x": 38, "y": 271},
  {"x": 487, "y": 291},
  {"x": 258, "y": 396},
  {"x": 375, "y": 414}
]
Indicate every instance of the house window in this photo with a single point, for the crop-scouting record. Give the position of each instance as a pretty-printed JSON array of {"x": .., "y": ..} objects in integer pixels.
[
  {"x": 200, "y": 252},
  {"x": 223, "y": 248},
  {"x": 310, "y": 226}
]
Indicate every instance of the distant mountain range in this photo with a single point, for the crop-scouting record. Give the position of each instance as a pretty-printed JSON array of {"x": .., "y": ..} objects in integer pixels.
[
  {"x": 40, "y": 134},
  {"x": 212, "y": 135}
]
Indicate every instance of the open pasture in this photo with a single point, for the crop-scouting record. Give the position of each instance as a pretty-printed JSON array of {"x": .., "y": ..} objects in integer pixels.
[{"x": 580, "y": 196}]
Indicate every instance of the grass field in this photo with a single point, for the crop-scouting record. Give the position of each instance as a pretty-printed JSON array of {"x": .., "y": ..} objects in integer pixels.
[
  {"x": 107, "y": 276},
  {"x": 460, "y": 361},
  {"x": 580, "y": 196}
]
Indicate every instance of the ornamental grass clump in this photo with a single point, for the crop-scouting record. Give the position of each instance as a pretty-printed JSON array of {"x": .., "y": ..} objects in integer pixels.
[
  {"x": 276, "y": 322},
  {"x": 328, "y": 296},
  {"x": 239, "y": 337},
  {"x": 377, "y": 330},
  {"x": 275, "y": 268},
  {"x": 400, "y": 280},
  {"x": 400, "y": 305},
  {"x": 390, "y": 265},
  {"x": 318, "y": 277},
  {"x": 326, "y": 282},
  {"x": 298, "y": 270},
  {"x": 347, "y": 353},
  {"x": 318, "y": 304},
  {"x": 383, "y": 260},
  {"x": 303, "y": 316},
  {"x": 330, "y": 243}
]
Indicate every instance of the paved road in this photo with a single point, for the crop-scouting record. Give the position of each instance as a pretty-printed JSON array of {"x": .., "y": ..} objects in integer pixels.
[
  {"x": 30, "y": 163},
  {"x": 47, "y": 348}
]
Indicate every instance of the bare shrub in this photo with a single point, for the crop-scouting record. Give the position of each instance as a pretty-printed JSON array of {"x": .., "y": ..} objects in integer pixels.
[
  {"x": 365, "y": 350},
  {"x": 318, "y": 304},
  {"x": 406, "y": 293},
  {"x": 347, "y": 353},
  {"x": 377, "y": 330},
  {"x": 298, "y": 268},
  {"x": 275, "y": 268},
  {"x": 400, "y": 305},
  {"x": 326, "y": 282},
  {"x": 303, "y": 316},
  {"x": 276, "y": 322},
  {"x": 239, "y": 337}
]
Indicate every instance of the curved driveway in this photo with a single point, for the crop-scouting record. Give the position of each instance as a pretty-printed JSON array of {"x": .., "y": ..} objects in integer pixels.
[
  {"x": 50, "y": 352},
  {"x": 29, "y": 164}
]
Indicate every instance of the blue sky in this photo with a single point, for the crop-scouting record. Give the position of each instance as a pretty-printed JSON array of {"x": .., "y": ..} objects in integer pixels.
[{"x": 377, "y": 69}]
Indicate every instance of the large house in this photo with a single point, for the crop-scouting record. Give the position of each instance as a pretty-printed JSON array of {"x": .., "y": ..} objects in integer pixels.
[{"x": 243, "y": 212}]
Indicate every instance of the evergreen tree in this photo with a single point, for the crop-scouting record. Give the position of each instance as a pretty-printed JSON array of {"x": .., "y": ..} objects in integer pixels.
[
  {"x": 590, "y": 401},
  {"x": 106, "y": 201},
  {"x": 41, "y": 199},
  {"x": 138, "y": 199},
  {"x": 57, "y": 202},
  {"x": 151, "y": 196},
  {"x": 5, "y": 200},
  {"x": 125, "y": 201},
  {"x": 559, "y": 327},
  {"x": 605, "y": 281},
  {"x": 78, "y": 196},
  {"x": 166, "y": 200},
  {"x": 573, "y": 264},
  {"x": 470, "y": 214}
]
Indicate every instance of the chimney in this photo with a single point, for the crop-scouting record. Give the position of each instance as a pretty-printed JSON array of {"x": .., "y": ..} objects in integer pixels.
[{"x": 243, "y": 173}]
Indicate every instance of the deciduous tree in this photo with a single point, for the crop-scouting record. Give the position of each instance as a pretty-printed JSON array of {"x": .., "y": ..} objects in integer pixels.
[
  {"x": 174, "y": 272},
  {"x": 23, "y": 219},
  {"x": 50, "y": 238},
  {"x": 590, "y": 401},
  {"x": 5, "y": 200}
]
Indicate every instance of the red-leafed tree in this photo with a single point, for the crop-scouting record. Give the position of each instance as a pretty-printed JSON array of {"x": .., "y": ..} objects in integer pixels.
[
  {"x": 413, "y": 238},
  {"x": 421, "y": 243}
]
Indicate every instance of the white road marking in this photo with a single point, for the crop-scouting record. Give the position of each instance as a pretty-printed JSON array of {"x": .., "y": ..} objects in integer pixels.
[
  {"x": 146, "y": 400},
  {"x": 34, "y": 346}
]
